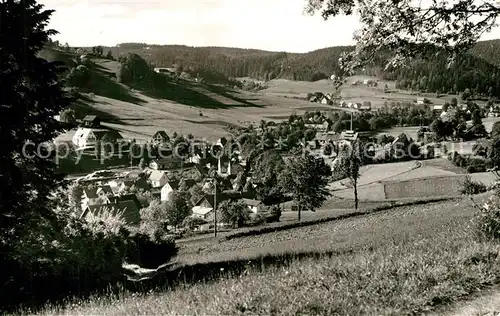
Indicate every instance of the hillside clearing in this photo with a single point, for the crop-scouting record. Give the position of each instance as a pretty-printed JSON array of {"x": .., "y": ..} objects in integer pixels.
[{"x": 403, "y": 261}]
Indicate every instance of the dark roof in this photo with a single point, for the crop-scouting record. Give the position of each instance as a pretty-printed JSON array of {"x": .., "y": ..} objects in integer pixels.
[
  {"x": 163, "y": 134},
  {"x": 168, "y": 160},
  {"x": 90, "y": 118},
  {"x": 349, "y": 135},
  {"x": 128, "y": 208},
  {"x": 222, "y": 141},
  {"x": 251, "y": 202},
  {"x": 99, "y": 134},
  {"x": 156, "y": 175},
  {"x": 127, "y": 197},
  {"x": 91, "y": 193},
  {"x": 174, "y": 185},
  {"x": 210, "y": 199},
  {"x": 189, "y": 183},
  {"x": 106, "y": 188}
]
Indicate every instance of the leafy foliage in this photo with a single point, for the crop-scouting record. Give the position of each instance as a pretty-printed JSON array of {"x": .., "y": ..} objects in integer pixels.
[
  {"x": 471, "y": 187},
  {"x": 235, "y": 213},
  {"x": 266, "y": 168},
  {"x": 347, "y": 165},
  {"x": 177, "y": 208},
  {"x": 416, "y": 32},
  {"x": 68, "y": 116},
  {"x": 306, "y": 178}
]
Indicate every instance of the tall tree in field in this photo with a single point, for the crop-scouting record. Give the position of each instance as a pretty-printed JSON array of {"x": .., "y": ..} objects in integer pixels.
[
  {"x": 177, "y": 209},
  {"x": 235, "y": 213},
  {"x": 30, "y": 97},
  {"x": 347, "y": 165},
  {"x": 306, "y": 178},
  {"x": 267, "y": 167},
  {"x": 411, "y": 28}
]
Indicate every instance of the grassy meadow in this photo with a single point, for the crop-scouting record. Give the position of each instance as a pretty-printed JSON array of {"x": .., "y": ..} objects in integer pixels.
[
  {"x": 206, "y": 111},
  {"x": 406, "y": 260}
]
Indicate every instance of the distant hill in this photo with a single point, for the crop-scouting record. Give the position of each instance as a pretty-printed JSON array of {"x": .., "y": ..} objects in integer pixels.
[{"x": 477, "y": 70}]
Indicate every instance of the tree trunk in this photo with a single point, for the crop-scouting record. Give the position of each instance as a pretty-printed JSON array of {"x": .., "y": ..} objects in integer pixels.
[
  {"x": 355, "y": 194},
  {"x": 298, "y": 213}
]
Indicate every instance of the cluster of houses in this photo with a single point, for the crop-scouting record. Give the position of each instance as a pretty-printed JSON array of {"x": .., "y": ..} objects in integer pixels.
[
  {"x": 361, "y": 107},
  {"x": 328, "y": 99},
  {"x": 159, "y": 178},
  {"x": 366, "y": 82}
]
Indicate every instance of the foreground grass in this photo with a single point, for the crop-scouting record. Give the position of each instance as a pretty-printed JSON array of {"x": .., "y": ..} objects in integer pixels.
[
  {"x": 396, "y": 279},
  {"x": 405, "y": 261}
]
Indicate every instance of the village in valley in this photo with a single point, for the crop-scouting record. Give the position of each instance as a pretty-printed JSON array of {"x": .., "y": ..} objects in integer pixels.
[
  {"x": 138, "y": 172},
  {"x": 284, "y": 178}
]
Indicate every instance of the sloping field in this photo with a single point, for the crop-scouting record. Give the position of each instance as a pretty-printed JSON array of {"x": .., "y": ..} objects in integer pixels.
[
  {"x": 375, "y": 173},
  {"x": 139, "y": 115},
  {"x": 444, "y": 185},
  {"x": 407, "y": 260},
  {"x": 352, "y": 233},
  {"x": 358, "y": 93},
  {"x": 423, "y": 172}
]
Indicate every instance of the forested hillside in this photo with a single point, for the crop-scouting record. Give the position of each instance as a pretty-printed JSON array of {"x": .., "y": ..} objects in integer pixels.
[{"x": 477, "y": 70}]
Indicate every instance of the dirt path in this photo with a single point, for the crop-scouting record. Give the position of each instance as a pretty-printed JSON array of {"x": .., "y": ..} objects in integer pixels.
[{"x": 484, "y": 303}]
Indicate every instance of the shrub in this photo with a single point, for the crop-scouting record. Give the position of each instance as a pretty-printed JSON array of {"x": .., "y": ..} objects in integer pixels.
[
  {"x": 457, "y": 159},
  {"x": 68, "y": 116},
  {"x": 85, "y": 255},
  {"x": 192, "y": 222},
  {"x": 271, "y": 213},
  {"x": 487, "y": 220},
  {"x": 476, "y": 164},
  {"x": 150, "y": 251},
  {"x": 258, "y": 219},
  {"x": 471, "y": 187}
]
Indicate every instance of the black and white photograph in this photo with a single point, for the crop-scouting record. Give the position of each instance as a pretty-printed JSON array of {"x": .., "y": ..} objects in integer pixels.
[{"x": 250, "y": 157}]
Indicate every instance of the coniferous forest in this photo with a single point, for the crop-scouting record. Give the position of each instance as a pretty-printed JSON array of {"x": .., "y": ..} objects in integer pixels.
[{"x": 478, "y": 70}]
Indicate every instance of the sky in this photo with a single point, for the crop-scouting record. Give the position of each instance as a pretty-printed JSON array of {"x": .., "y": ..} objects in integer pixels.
[{"x": 275, "y": 25}]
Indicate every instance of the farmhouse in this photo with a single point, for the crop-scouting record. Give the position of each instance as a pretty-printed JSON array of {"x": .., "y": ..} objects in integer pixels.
[
  {"x": 349, "y": 136},
  {"x": 128, "y": 209},
  {"x": 226, "y": 167},
  {"x": 167, "y": 163},
  {"x": 364, "y": 108},
  {"x": 319, "y": 126},
  {"x": 160, "y": 138},
  {"x": 91, "y": 121},
  {"x": 325, "y": 100},
  {"x": 253, "y": 205},
  {"x": 314, "y": 98},
  {"x": 168, "y": 188},
  {"x": 437, "y": 108},
  {"x": 329, "y": 137},
  {"x": 126, "y": 197},
  {"x": 221, "y": 142},
  {"x": 88, "y": 137},
  {"x": 96, "y": 195},
  {"x": 204, "y": 208},
  {"x": 163, "y": 70},
  {"x": 158, "y": 179}
]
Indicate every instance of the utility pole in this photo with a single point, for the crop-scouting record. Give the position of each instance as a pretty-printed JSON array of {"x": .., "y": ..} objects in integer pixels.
[
  {"x": 351, "y": 120},
  {"x": 215, "y": 207}
]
